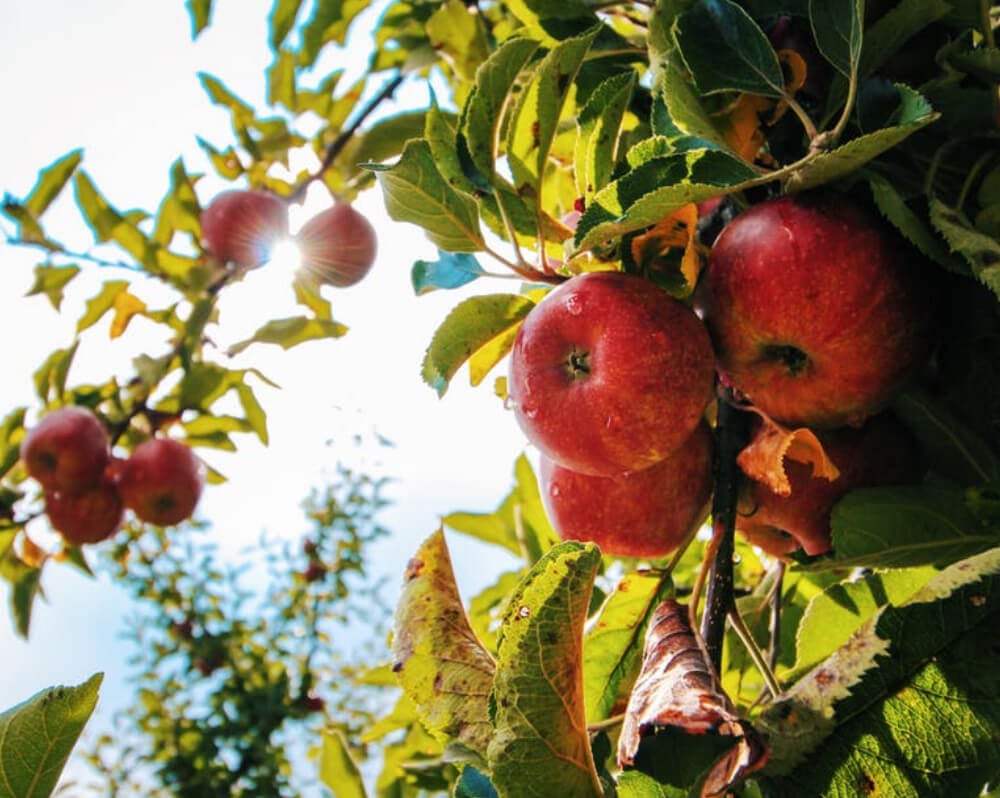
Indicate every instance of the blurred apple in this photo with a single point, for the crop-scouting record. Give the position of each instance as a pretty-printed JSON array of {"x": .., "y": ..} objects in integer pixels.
[
  {"x": 161, "y": 481},
  {"x": 67, "y": 451},
  {"x": 242, "y": 226},
  {"x": 610, "y": 374},
  {"x": 88, "y": 517},
  {"x": 338, "y": 246}
]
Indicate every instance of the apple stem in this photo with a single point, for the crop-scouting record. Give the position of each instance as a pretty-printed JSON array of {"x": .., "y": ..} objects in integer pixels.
[{"x": 732, "y": 433}]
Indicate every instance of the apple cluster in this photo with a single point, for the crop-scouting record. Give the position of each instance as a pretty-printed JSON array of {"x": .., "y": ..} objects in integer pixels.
[
  {"x": 811, "y": 310},
  {"x": 87, "y": 489},
  {"x": 337, "y": 246}
]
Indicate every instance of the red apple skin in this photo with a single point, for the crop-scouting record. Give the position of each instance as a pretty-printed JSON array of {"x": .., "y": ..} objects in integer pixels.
[
  {"x": 88, "y": 517},
  {"x": 161, "y": 481},
  {"x": 338, "y": 246},
  {"x": 67, "y": 451},
  {"x": 882, "y": 452},
  {"x": 818, "y": 311},
  {"x": 241, "y": 226},
  {"x": 610, "y": 374},
  {"x": 646, "y": 513}
]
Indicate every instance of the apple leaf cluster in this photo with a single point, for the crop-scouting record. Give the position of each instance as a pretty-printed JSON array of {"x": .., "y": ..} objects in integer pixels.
[{"x": 575, "y": 143}]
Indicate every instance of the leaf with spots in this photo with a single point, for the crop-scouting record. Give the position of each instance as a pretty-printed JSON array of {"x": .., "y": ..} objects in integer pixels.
[
  {"x": 440, "y": 663},
  {"x": 876, "y": 705},
  {"x": 541, "y": 747},
  {"x": 37, "y": 736}
]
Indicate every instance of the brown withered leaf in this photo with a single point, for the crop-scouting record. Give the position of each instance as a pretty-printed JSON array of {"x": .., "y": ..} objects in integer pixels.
[
  {"x": 763, "y": 459},
  {"x": 676, "y": 690}
]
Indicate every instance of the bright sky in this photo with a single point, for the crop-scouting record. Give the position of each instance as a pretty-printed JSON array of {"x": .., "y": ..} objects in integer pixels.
[{"x": 118, "y": 78}]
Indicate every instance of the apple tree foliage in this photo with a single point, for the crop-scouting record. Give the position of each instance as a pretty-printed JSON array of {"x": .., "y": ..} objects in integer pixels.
[{"x": 872, "y": 670}]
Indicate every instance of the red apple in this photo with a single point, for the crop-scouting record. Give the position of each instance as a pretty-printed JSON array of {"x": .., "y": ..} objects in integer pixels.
[
  {"x": 161, "y": 481},
  {"x": 882, "y": 452},
  {"x": 338, "y": 245},
  {"x": 818, "y": 311},
  {"x": 67, "y": 451},
  {"x": 610, "y": 374},
  {"x": 241, "y": 226},
  {"x": 644, "y": 513},
  {"x": 88, "y": 517}
]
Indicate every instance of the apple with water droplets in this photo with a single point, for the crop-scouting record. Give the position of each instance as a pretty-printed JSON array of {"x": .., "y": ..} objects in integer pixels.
[
  {"x": 819, "y": 312},
  {"x": 646, "y": 513},
  {"x": 161, "y": 481},
  {"x": 241, "y": 226},
  {"x": 67, "y": 451},
  {"x": 337, "y": 246},
  {"x": 610, "y": 374}
]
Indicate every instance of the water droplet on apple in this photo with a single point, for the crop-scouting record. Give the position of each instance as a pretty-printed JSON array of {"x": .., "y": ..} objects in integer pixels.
[
  {"x": 613, "y": 422},
  {"x": 529, "y": 412},
  {"x": 554, "y": 491},
  {"x": 574, "y": 305}
]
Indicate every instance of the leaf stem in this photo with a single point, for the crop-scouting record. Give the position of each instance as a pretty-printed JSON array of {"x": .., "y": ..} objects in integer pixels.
[
  {"x": 754, "y": 651},
  {"x": 775, "y": 623}
]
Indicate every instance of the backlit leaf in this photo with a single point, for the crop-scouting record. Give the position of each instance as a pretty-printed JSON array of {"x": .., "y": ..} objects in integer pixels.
[
  {"x": 51, "y": 280},
  {"x": 415, "y": 191},
  {"x": 337, "y": 768},
  {"x": 50, "y": 377},
  {"x": 458, "y": 33},
  {"x": 482, "y": 361},
  {"x": 281, "y": 21},
  {"x": 329, "y": 23},
  {"x": 541, "y": 747},
  {"x": 200, "y": 12},
  {"x": 126, "y": 306},
  {"x": 290, "y": 332},
  {"x": 36, "y": 738},
  {"x": 468, "y": 327},
  {"x": 255, "y": 416},
  {"x": 599, "y": 126},
  {"x": 441, "y": 665},
  {"x": 51, "y": 182},
  {"x": 98, "y": 305}
]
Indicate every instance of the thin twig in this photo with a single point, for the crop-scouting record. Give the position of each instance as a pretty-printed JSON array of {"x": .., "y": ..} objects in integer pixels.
[{"x": 754, "y": 651}]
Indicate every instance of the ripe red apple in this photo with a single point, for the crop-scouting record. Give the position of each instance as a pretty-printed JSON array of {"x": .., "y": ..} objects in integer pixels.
[
  {"x": 610, "y": 374},
  {"x": 241, "y": 226},
  {"x": 88, "y": 517},
  {"x": 161, "y": 481},
  {"x": 338, "y": 245},
  {"x": 882, "y": 452},
  {"x": 644, "y": 513},
  {"x": 818, "y": 311},
  {"x": 67, "y": 451}
]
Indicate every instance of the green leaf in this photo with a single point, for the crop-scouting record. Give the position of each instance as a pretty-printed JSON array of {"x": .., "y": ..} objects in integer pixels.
[
  {"x": 200, "y": 12},
  {"x": 110, "y": 225},
  {"x": 281, "y": 85},
  {"x": 440, "y": 663},
  {"x": 281, "y": 21},
  {"x": 25, "y": 587},
  {"x": 536, "y": 115},
  {"x": 635, "y": 784},
  {"x": 599, "y": 128},
  {"x": 337, "y": 768},
  {"x": 51, "y": 280},
  {"x": 913, "y": 114},
  {"x": 541, "y": 746},
  {"x": 468, "y": 327},
  {"x": 415, "y": 191},
  {"x": 51, "y": 182},
  {"x": 909, "y": 703},
  {"x": 36, "y": 738},
  {"x": 241, "y": 112},
  {"x": 904, "y": 527},
  {"x": 98, "y": 305},
  {"x": 458, "y": 33},
  {"x": 980, "y": 251},
  {"x": 450, "y": 270},
  {"x": 893, "y": 207},
  {"x": 255, "y": 416},
  {"x": 614, "y": 643},
  {"x": 656, "y": 188},
  {"x": 290, "y": 332},
  {"x": 837, "y": 28},
  {"x": 955, "y": 451},
  {"x": 484, "y": 109},
  {"x": 329, "y": 23},
  {"x": 50, "y": 377},
  {"x": 725, "y": 50},
  {"x": 179, "y": 211},
  {"x": 894, "y": 28},
  {"x": 11, "y": 433},
  {"x": 980, "y": 62}
]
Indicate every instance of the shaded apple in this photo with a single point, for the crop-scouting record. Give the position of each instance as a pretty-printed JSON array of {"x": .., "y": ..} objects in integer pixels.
[
  {"x": 67, "y": 451},
  {"x": 610, "y": 374},
  {"x": 819, "y": 312},
  {"x": 338, "y": 246},
  {"x": 242, "y": 226},
  {"x": 882, "y": 452},
  {"x": 88, "y": 517},
  {"x": 644, "y": 513},
  {"x": 161, "y": 481}
]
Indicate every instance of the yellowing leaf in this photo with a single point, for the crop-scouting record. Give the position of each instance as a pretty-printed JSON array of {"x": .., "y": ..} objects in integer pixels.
[
  {"x": 676, "y": 231},
  {"x": 763, "y": 459},
  {"x": 126, "y": 306},
  {"x": 441, "y": 664}
]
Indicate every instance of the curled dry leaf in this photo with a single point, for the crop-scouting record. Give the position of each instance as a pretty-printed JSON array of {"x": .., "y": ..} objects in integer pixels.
[
  {"x": 677, "y": 689},
  {"x": 676, "y": 231},
  {"x": 763, "y": 459}
]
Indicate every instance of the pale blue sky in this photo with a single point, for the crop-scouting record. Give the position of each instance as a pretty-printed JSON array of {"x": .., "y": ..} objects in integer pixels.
[{"x": 118, "y": 78}]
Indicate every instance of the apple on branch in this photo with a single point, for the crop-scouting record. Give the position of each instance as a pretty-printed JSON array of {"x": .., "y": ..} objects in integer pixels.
[
  {"x": 338, "y": 246},
  {"x": 882, "y": 452},
  {"x": 610, "y": 374},
  {"x": 161, "y": 481},
  {"x": 67, "y": 451},
  {"x": 646, "y": 513},
  {"x": 819, "y": 312},
  {"x": 241, "y": 226},
  {"x": 88, "y": 517}
]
